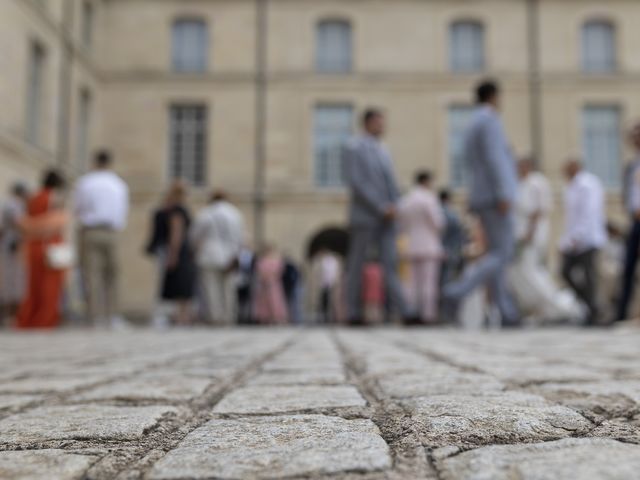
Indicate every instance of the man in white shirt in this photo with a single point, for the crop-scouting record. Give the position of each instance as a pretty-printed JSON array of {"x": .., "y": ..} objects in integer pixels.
[
  {"x": 101, "y": 206},
  {"x": 218, "y": 236},
  {"x": 584, "y": 235}
]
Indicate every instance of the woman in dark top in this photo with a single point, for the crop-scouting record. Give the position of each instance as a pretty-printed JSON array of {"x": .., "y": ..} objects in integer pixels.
[{"x": 180, "y": 274}]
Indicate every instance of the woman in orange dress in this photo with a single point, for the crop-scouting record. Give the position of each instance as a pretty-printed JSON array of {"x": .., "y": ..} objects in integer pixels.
[{"x": 43, "y": 226}]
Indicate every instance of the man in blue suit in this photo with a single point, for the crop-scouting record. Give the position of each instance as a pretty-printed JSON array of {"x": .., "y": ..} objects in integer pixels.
[{"x": 492, "y": 193}]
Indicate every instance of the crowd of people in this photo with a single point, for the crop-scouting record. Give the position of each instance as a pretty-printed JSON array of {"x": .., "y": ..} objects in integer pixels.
[
  {"x": 493, "y": 268},
  {"x": 411, "y": 257}
]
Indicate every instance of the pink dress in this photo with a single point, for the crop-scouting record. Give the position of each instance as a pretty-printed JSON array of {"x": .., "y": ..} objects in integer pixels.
[{"x": 270, "y": 305}]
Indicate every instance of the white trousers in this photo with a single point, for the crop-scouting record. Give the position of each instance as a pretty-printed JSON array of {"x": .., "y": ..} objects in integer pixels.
[{"x": 221, "y": 296}]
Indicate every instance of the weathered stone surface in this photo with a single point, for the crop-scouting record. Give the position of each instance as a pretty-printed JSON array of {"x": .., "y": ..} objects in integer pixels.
[
  {"x": 277, "y": 399},
  {"x": 609, "y": 398},
  {"x": 584, "y": 459},
  {"x": 16, "y": 401},
  {"x": 161, "y": 387},
  {"x": 300, "y": 377},
  {"x": 80, "y": 422},
  {"x": 51, "y": 384},
  {"x": 43, "y": 464},
  {"x": 499, "y": 418},
  {"x": 427, "y": 384},
  {"x": 270, "y": 447}
]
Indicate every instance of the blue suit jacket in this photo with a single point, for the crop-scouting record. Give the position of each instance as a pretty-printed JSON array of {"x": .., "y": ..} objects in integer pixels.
[{"x": 492, "y": 168}]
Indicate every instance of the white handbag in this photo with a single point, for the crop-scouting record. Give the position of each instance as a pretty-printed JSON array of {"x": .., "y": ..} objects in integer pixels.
[{"x": 60, "y": 256}]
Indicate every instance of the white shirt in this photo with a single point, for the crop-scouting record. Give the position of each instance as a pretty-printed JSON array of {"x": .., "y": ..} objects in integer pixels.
[
  {"x": 101, "y": 199},
  {"x": 218, "y": 235},
  {"x": 329, "y": 270},
  {"x": 585, "y": 222}
]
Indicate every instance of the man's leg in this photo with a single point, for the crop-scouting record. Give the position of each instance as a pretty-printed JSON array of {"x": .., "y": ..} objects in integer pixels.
[
  {"x": 500, "y": 236},
  {"x": 92, "y": 270},
  {"x": 389, "y": 260},
  {"x": 110, "y": 275},
  {"x": 589, "y": 264},
  {"x": 485, "y": 268},
  {"x": 413, "y": 295},
  {"x": 230, "y": 298},
  {"x": 358, "y": 244},
  {"x": 629, "y": 272},
  {"x": 431, "y": 288}
]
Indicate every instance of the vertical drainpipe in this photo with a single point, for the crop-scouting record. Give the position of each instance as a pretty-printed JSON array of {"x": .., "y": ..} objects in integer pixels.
[
  {"x": 535, "y": 80},
  {"x": 64, "y": 95},
  {"x": 261, "y": 120}
]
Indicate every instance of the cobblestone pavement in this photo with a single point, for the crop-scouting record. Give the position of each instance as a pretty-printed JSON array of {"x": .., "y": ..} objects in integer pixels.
[{"x": 313, "y": 404}]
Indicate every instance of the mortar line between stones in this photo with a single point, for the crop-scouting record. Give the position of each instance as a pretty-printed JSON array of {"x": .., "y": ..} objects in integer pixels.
[{"x": 381, "y": 411}]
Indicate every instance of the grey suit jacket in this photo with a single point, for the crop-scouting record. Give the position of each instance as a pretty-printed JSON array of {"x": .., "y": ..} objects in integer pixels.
[
  {"x": 369, "y": 175},
  {"x": 492, "y": 168}
]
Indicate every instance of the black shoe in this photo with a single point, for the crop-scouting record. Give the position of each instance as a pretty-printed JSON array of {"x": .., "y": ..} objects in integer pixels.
[{"x": 356, "y": 322}]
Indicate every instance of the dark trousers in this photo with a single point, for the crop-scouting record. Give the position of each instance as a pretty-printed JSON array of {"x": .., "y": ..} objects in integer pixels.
[
  {"x": 629, "y": 272},
  {"x": 580, "y": 272}
]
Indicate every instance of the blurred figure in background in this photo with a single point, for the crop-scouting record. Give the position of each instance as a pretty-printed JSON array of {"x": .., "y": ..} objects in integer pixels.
[
  {"x": 326, "y": 272},
  {"x": 584, "y": 235},
  {"x": 12, "y": 281},
  {"x": 632, "y": 202},
  {"x": 422, "y": 221},
  {"x": 157, "y": 248},
  {"x": 269, "y": 301},
  {"x": 217, "y": 235},
  {"x": 492, "y": 192},
  {"x": 533, "y": 286},
  {"x": 454, "y": 238},
  {"x": 43, "y": 228},
  {"x": 292, "y": 284},
  {"x": 372, "y": 213},
  {"x": 101, "y": 205},
  {"x": 246, "y": 273},
  {"x": 179, "y": 281}
]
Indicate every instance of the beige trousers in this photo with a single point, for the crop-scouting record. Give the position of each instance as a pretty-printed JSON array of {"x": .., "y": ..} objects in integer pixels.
[
  {"x": 221, "y": 297},
  {"x": 99, "y": 256}
]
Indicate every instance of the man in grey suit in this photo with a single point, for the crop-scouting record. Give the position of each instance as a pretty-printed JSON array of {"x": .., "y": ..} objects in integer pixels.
[
  {"x": 492, "y": 192},
  {"x": 374, "y": 194}
]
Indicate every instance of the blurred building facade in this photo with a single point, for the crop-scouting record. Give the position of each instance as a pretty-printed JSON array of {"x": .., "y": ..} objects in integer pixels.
[{"x": 257, "y": 96}]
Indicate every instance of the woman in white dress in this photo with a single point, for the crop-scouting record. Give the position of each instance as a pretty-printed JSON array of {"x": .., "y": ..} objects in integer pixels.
[{"x": 537, "y": 293}]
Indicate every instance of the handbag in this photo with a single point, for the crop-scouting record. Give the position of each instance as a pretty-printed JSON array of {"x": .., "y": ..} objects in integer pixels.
[{"x": 60, "y": 256}]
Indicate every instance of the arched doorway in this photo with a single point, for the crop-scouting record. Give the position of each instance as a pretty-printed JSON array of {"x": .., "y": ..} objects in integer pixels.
[{"x": 334, "y": 239}]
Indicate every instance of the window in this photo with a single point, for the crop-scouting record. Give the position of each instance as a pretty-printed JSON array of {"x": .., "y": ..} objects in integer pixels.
[
  {"x": 466, "y": 47},
  {"x": 190, "y": 46},
  {"x": 332, "y": 126},
  {"x": 188, "y": 143},
  {"x": 87, "y": 23},
  {"x": 601, "y": 143},
  {"x": 35, "y": 93},
  {"x": 84, "y": 122},
  {"x": 459, "y": 116},
  {"x": 598, "y": 47},
  {"x": 334, "y": 47}
]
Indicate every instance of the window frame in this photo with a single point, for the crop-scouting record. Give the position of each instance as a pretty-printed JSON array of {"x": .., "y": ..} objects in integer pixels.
[
  {"x": 455, "y": 183},
  {"x": 455, "y": 66},
  {"x": 171, "y": 160},
  {"x": 330, "y": 185},
  {"x": 178, "y": 64},
  {"x": 321, "y": 54},
  {"x": 612, "y": 63},
  {"x": 614, "y": 182}
]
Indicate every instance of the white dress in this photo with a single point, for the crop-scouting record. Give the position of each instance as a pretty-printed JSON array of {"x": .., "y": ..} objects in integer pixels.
[{"x": 534, "y": 288}]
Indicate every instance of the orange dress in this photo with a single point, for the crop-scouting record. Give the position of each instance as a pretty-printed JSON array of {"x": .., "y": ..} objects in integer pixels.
[{"x": 41, "y": 305}]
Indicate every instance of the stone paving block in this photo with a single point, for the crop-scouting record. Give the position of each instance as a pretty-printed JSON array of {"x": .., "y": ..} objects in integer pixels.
[
  {"x": 274, "y": 447},
  {"x": 81, "y": 422},
  {"x": 524, "y": 375},
  {"x": 478, "y": 420},
  {"x": 404, "y": 385},
  {"x": 43, "y": 464},
  {"x": 159, "y": 387},
  {"x": 300, "y": 377},
  {"x": 607, "y": 397},
  {"x": 280, "y": 399},
  {"x": 568, "y": 459}
]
